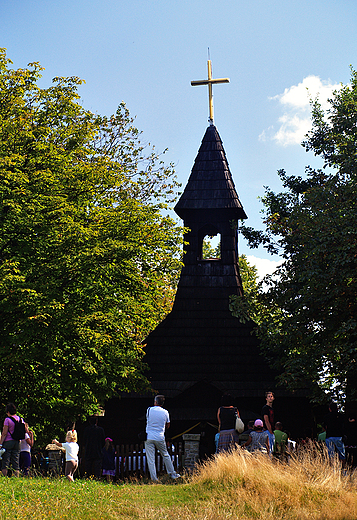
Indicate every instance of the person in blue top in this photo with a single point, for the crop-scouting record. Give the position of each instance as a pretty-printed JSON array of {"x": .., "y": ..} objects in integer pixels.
[{"x": 334, "y": 424}]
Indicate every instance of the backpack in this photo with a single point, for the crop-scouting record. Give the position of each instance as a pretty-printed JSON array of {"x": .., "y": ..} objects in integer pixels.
[{"x": 19, "y": 432}]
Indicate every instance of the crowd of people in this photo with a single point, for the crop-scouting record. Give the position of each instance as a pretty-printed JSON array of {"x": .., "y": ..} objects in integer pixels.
[
  {"x": 262, "y": 434},
  {"x": 99, "y": 454},
  {"x": 267, "y": 436},
  {"x": 17, "y": 440}
]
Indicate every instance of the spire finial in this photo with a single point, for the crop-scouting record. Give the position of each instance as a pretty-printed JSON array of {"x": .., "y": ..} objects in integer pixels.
[{"x": 209, "y": 82}]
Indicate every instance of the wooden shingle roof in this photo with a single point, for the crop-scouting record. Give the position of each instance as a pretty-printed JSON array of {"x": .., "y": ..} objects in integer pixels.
[{"x": 210, "y": 185}]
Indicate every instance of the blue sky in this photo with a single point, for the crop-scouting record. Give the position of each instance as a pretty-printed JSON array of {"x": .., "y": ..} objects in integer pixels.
[{"x": 147, "y": 52}]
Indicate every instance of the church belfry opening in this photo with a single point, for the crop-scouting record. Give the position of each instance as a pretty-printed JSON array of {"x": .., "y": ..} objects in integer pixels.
[{"x": 210, "y": 248}]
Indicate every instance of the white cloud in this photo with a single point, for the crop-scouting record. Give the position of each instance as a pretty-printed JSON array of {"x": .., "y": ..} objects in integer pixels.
[
  {"x": 298, "y": 96},
  {"x": 264, "y": 265},
  {"x": 292, "y": 130},
  {"x": 295, "y": 100}
]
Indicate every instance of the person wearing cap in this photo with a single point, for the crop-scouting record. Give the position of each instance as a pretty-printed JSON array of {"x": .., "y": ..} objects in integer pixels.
[
  {"x": 258, "y": 439},
  {"x": 108, "y": 459}
]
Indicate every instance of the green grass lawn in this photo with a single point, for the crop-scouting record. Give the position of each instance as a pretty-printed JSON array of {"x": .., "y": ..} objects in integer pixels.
[
  {"x": 42, "y": 498},
  {"x": 230, "y": 486}
]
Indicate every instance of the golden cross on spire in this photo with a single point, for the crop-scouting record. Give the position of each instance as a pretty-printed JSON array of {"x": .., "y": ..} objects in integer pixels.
[{"x": 210, "y": 82}]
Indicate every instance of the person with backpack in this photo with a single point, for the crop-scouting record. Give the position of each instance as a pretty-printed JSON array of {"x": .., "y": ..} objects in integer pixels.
[{"x": 13, "y": 431}]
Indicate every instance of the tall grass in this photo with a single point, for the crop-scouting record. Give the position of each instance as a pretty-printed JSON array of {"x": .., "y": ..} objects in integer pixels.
[
  {"x": 236, "y": 485},
  {"x": 248, "y": 485}
]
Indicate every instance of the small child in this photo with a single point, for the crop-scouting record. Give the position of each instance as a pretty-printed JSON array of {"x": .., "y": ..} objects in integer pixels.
[
  {"x": 108, "y": 459},
  {"x": 25, "y": 451},
  {"x": 72, "y": 449}
]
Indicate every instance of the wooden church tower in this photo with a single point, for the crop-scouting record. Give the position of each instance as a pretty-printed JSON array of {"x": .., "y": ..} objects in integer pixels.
[
  {"x": 200, "y": 351},
  {"x": 200, "y": 342}
]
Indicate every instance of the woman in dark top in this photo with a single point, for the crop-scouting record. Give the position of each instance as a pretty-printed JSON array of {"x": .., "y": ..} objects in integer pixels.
[{"x": 226, "y": 415}]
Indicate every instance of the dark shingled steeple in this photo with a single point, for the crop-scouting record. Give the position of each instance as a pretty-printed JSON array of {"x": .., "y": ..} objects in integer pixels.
[
  {"x": 210, "y": 185},
  {"x": 200, "y": 340}
]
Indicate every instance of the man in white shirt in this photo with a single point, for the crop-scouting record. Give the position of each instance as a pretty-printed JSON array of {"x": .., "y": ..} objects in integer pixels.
[{"x": 157, "y": 421}]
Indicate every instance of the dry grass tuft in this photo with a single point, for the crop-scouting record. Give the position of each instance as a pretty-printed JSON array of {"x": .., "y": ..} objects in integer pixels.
[{"x": 255, "y": 486}]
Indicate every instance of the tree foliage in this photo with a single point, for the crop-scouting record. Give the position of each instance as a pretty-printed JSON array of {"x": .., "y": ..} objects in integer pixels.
[
  {"x": 88, "y": 262},
  {"x": 307, "y": 314},
  {"x": 249, "y": 275}
]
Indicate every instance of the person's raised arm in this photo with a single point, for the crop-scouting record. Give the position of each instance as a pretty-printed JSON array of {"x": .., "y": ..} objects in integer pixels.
[{"x": 30, "y": 439}]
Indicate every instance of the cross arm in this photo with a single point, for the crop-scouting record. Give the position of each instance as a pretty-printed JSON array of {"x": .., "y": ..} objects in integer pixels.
[{"x": 208, "y": 81}]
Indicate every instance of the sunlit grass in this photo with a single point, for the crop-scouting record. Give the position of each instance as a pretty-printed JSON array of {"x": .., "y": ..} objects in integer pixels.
[{"x": 230, "y": 486}]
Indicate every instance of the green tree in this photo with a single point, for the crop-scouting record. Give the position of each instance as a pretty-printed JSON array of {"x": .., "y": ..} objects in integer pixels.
[
  {"x": 88, "y": 262},
  {"x": 249, "y": 275},
  {"x": 307, "y": 314}
]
